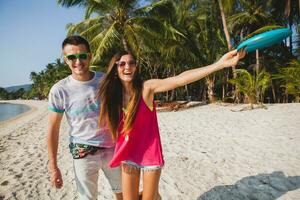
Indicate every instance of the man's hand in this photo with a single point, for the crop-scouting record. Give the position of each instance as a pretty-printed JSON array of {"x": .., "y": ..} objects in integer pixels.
[
  {"x": 56, "y": 178},
  {"x": 52, "y": 146}
]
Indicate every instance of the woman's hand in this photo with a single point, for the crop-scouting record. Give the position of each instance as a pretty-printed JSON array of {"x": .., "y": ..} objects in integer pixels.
[{"x": 231, "y": 58}]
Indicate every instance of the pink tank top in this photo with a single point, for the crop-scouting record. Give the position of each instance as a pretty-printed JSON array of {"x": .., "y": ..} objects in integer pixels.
[{"x": 142, "y": 145}]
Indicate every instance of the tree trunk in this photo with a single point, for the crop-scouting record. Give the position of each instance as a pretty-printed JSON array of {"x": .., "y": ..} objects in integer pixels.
[
  {"x": 257, "y": 63},
  {"x": 188, "y": 97},
  {"x": 273, "y": 92},
  {"x": 210, "y": 89},
  {"x": 167, "y": 96},
  {"x": 225, "y": 29},
  {"x": 257, "y": 72},
  {"x": 287, "y": 10},
  {"x": 227, "y": 36},
  {"x": 287, "y": 13},
  {"x": 223, "y": 92}
]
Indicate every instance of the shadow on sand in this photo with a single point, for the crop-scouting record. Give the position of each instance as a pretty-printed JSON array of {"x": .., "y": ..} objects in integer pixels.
[{"x": 259, "y": 187}]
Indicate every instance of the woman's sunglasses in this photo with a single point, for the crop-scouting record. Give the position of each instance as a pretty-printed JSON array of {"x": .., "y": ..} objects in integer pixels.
[
  {"x": 81, "y": 56},
  {"x": 123, "y": 63}
]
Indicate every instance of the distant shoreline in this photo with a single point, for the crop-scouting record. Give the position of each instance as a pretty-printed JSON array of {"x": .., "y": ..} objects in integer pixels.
[{"x": 16, "y": 117}]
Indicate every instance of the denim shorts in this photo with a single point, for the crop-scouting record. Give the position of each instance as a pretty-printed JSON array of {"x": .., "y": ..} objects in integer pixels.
[{"x": 141, "y": 167}]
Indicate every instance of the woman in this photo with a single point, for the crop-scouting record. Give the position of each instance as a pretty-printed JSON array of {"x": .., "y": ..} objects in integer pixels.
[{"x": 128, "y": 108}]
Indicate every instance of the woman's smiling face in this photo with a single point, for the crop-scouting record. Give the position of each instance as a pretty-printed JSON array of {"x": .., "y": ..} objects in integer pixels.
[{"x": 126, "y": 68}]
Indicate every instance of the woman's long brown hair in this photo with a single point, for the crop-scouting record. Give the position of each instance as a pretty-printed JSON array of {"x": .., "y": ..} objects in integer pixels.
[{"x": 111, "y": 98}]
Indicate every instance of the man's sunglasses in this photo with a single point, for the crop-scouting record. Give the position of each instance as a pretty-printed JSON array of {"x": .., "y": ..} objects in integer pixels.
[
  {"x": 81, "y": 56},
  {"x": 123, "y": 63}
]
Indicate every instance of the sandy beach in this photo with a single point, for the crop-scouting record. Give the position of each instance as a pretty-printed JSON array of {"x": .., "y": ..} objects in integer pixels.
[{"x": 211, "y": 153}]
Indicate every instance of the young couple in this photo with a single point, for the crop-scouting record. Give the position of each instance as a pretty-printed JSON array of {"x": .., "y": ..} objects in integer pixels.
[{"x": 113, "y": 121}]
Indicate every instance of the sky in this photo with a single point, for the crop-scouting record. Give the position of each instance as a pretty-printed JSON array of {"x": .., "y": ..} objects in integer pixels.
[{"x": 31, "y": 33}]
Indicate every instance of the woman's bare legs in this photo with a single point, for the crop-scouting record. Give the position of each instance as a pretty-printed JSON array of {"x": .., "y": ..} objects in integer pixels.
[
  {"x": 150, "y": 185},
  {"x": 130, "y": 182}
]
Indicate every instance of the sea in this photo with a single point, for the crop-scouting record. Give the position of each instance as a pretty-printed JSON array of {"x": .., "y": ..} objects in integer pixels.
[{"x": 10, "y": 110}]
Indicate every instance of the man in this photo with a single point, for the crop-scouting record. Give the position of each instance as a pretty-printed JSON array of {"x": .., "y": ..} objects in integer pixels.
[{"x": 91, "y": 147}]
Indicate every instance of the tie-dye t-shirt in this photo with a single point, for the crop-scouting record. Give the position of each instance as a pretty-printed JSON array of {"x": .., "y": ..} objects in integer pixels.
[{"x": 77, "y": 99}]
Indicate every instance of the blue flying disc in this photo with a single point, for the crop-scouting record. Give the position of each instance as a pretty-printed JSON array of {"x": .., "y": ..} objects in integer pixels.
[{"x": 265, "y": 39}]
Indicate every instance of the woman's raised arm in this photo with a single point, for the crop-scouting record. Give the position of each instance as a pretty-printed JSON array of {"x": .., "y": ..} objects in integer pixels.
[{"x": 161, "y": 85}]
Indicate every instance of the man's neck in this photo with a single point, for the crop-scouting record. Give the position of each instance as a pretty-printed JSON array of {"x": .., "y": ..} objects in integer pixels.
[{"x": 86, "y": 77}]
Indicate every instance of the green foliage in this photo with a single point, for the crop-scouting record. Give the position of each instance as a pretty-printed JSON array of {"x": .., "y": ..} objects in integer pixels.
[
  {"x": 172, "y": 36},
  {"x": 249, "y": 16},
  {"x": 253, "y": 87},
  {"x": 290, "y": 78},
  {"x": 43, "y": 81},
  {"x": 263, "y": 29},
  {"x": 19, "y": 94},
  {"x": 3, "y": 93},
  {"x": 118, "y": 24}
]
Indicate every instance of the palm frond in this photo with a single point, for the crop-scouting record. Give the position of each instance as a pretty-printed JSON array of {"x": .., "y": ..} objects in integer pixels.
[
  {"x": 173, "y": 32},
  {"x": 87, "y": 27},
  {"x": 132, "y": 37},
  {"x": 263, "y": 29},
  {"x": 70, "y": 3},
  {"x": 93, "y": 28},
  {"x": 100, "y": 7},
  {"x": 104, "y": 41},
  {"x": 150, "y": 23},
  {"x": 161, "y": 9}
]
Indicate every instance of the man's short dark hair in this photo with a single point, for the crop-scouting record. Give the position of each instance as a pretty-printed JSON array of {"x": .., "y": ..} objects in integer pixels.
[{"x": 76, "y": 40}]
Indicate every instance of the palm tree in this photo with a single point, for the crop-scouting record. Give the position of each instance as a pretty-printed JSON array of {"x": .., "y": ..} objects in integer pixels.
[
  {"x": 179, "y": 47},
  {"x": 286, "y": 13},
  {"x": 253, "y": 87},
  {"x": 212, "y": 43},
  {"x": 38, "y": 84},
  {"x": 290, "y": 80},
  {"x": 250, "y": 16},
  {"x": 292, "y": 13},
  {"x": 113, "y": 24},
  {"x": 227, "y": 5},
  {"x": 44, "y": 80}
]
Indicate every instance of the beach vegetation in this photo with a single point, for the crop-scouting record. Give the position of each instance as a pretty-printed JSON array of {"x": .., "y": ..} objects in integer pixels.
[
  {"x": 289, "y": 78},
  {"x": 252, "y": 86},
  {"x": 169, "y": 37},
  {"x": 43, "y": 81}
]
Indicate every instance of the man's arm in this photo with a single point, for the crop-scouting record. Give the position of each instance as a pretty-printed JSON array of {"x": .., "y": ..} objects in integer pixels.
[{"x": 52, "y": 146}]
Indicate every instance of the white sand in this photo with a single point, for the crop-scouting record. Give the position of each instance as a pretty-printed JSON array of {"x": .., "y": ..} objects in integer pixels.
[{"x": 211, "y": 153}]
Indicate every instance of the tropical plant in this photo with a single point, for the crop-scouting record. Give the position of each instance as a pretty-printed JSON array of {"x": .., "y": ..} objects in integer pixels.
[
  {"x": 250, "y": 16},
  {"x": 179, "y": 49},
  {"x": 252, "y": 86},
  {"x": 113, "y": 24},
  {"x": 227, "y": 6},
  {"x": 43, "y": 81},
  {"x": 290, "y": 79},
  {"x": 172, "y": 36}
]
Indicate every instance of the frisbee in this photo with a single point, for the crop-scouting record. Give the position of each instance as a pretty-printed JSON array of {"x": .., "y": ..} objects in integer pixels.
[{"x": 264, "y": 40}]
